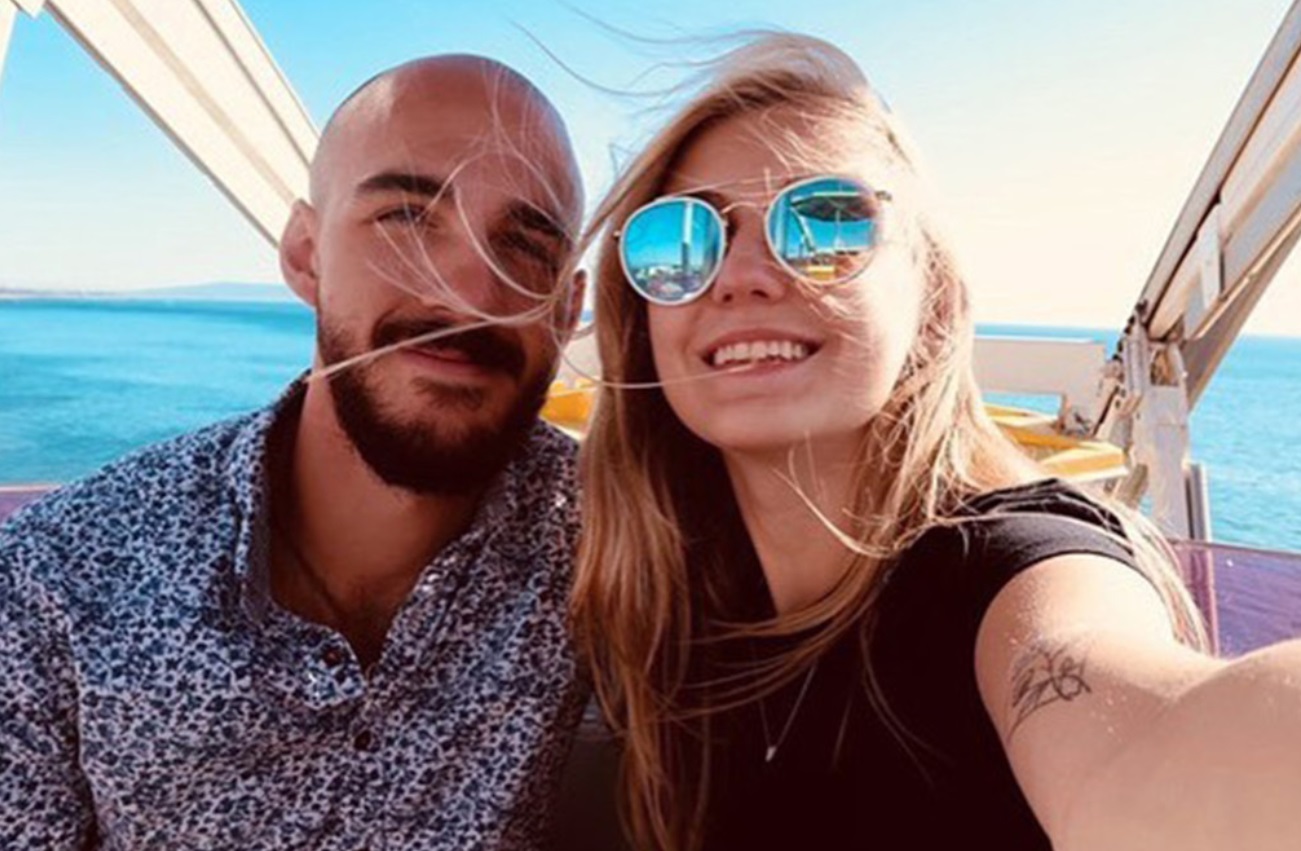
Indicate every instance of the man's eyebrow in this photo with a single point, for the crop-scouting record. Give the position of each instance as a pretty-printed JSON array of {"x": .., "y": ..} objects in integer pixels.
[
  {"x": 535, "y": 219},
  {"x": 413, "y": 184}
]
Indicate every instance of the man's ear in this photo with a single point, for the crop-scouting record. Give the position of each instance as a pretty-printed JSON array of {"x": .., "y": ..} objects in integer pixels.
[
  {"x": 298, "y": 253},
  {"x": 573, "y": 308}
]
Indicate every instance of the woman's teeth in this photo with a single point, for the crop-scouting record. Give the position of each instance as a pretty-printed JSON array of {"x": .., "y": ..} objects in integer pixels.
[{"x": 759, "y": 350}]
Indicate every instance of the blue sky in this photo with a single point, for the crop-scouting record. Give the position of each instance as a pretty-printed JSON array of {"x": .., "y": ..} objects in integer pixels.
[{"x": 1062, "y": 136}]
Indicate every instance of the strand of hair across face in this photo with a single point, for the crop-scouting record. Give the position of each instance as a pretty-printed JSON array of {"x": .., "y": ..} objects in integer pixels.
[
  {"x": 432, "y": 336},
  {"x": 523, "y": 318}
]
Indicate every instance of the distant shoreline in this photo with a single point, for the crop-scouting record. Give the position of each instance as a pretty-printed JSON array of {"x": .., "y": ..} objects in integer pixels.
[
  {"x": 214, "y": 292},
  {"x": 221, "y": 293}
]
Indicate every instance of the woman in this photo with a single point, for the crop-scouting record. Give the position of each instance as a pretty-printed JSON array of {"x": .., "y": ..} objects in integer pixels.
[{"x": 825, "y": 602}]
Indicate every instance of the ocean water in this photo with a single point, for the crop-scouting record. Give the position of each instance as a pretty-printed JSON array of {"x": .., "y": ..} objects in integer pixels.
[{"x": 84, "y": 381}]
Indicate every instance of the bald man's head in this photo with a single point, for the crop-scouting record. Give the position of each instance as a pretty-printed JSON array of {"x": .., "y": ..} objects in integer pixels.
[
  {"x": 522, "y": 119},
  {"x": 444, "y": 199}
]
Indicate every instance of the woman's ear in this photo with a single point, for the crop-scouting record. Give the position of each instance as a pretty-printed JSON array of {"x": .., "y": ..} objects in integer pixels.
[{"x": 298, "y": 253}]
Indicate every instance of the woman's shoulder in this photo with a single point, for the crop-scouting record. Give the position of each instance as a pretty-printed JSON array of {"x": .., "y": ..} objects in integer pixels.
[
  {"x": 995, "y": 535},
  {"x": 1042, "y": 496},
  {"x": 1016, "y": 522}
]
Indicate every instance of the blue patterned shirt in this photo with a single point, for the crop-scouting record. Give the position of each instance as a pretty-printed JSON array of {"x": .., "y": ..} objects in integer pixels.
[{"x": 154, "y": 696}]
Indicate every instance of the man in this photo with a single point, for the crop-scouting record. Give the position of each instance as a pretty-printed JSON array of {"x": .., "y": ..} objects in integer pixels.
[{"x": 337, "y": 623}]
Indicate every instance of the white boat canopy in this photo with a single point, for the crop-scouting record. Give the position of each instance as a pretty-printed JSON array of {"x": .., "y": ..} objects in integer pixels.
[
  {"x": 1235, "y": 231},
  {"x": 200, "y": 70}
]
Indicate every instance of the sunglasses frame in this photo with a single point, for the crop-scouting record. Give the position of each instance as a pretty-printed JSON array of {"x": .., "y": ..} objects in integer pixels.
[{"x": 878, "y": 194}]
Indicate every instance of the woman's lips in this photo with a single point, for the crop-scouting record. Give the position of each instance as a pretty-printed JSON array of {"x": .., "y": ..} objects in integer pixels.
[{"x": 759, "y": 349}]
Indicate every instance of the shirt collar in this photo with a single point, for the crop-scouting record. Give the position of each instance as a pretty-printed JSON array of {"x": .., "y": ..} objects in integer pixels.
[
  {"x": 247, "y": 478},
  {"x": 501, "y": 520}
]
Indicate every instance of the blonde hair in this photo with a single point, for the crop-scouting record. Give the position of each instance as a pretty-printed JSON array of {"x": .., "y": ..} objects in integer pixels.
[{"x": 648, "y": 593}]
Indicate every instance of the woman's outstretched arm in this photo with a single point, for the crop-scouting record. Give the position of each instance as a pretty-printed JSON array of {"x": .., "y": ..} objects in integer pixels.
[{"x": 1120, "y": 737}]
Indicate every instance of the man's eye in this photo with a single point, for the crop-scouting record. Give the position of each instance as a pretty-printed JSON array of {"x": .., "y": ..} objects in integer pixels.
[
  {"x": 534, "y": 251},
  {"x": 410, "y": 214}
]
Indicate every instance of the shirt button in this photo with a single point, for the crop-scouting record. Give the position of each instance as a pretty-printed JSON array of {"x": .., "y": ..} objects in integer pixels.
[
  {"x": 332, "y": 656},
  {"x": 363, "y": 741}
]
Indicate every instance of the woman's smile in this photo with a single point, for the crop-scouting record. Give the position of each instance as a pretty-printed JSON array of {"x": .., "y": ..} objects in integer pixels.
[{"x": 819, "y": 358}]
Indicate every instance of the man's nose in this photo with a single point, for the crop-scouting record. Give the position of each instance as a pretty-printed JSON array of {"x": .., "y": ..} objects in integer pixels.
[{"x": 462, "y": 277}]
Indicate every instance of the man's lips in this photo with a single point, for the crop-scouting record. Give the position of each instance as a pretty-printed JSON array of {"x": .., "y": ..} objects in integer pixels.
[
  {"x": 447, "y": 353},
  {"x": 474, "y": 350},
  {"x": 447, "y": 362}
]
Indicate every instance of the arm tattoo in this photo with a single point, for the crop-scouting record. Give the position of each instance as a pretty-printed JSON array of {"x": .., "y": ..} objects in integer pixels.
[{"x": 1047, "y": 673}]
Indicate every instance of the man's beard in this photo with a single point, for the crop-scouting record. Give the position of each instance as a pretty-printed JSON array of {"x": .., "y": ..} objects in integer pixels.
[{"x": 438, "y": 456}]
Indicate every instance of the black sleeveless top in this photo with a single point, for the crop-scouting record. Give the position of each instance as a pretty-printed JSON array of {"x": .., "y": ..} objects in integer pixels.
[{"x": 937, "y": 779}]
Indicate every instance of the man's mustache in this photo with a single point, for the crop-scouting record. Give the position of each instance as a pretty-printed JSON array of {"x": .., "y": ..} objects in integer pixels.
[{"x": 491, "y": 348}]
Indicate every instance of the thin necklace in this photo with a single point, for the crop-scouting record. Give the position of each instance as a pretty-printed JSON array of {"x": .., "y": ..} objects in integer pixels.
[
  {"x": 303, "y": 567},
  {"x": 771, "y": 747},
  {"x": 306, "y": 570}
]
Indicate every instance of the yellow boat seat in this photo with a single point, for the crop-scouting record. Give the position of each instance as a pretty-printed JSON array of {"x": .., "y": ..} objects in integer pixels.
[{"x": 569, "y": 405}]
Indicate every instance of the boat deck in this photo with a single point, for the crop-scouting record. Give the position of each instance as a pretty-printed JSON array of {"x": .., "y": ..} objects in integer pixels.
[{"x": 12, "y": 498}]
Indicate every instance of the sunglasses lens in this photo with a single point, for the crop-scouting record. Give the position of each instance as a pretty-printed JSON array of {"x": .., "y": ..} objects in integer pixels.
[
  {"x": 672, "y": 249},
  {"x": 823, "y": 230}
]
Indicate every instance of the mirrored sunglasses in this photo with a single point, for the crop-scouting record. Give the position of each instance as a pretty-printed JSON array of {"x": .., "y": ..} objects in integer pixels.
[{"x": 821, "y": 229}]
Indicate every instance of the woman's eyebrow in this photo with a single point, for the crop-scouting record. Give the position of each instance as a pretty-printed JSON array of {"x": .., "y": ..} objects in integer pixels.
[
  {"x": 768, "y": 183},
  {"x": 714, "y": 199}
]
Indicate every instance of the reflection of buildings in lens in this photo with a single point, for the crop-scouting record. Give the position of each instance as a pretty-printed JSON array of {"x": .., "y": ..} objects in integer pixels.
[
  {"x": 666, "y": 288},
  {"x": 667, "y": 281}
]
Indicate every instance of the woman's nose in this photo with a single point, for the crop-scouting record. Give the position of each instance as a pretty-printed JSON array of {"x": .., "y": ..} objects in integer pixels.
[{"x": 749, "y": 269}]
